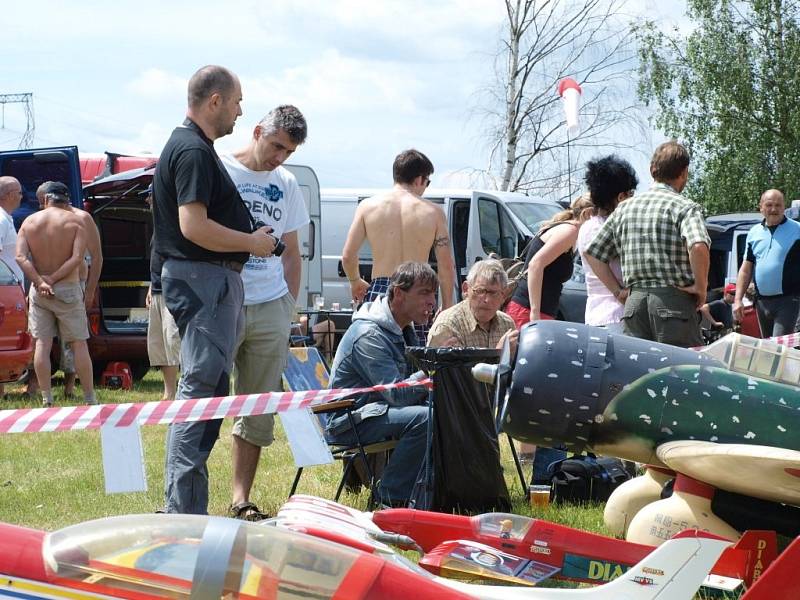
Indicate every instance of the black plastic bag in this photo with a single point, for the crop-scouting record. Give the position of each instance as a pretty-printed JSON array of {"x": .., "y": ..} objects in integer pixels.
[{"x": 465, "y": 458}]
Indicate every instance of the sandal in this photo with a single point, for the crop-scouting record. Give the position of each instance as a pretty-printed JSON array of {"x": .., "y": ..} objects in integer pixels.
[{"x": 246, "y": 511}]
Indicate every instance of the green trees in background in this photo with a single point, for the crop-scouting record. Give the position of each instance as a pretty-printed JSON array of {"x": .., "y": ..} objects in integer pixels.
[{"x": 729, "y": 90}]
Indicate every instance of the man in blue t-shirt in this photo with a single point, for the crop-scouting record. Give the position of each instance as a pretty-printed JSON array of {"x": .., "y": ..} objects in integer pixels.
[{"x": 772, "y": 261}]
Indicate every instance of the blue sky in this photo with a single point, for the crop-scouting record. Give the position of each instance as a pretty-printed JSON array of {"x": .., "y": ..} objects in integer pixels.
[{"x": 372, "y": 76}]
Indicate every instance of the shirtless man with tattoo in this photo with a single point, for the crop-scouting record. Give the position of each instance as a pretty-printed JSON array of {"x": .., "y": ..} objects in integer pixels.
[{"x": 400, "y": 226}]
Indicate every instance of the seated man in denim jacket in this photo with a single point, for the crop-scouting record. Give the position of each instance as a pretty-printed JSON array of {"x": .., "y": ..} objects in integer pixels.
[{"x": 372, "y": 352}]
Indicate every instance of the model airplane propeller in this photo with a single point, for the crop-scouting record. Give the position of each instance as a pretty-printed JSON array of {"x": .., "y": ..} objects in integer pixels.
[{"x": 727, "y": 416}]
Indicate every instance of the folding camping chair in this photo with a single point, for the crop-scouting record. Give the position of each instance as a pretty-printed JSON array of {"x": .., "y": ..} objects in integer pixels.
[{"x": 306, "y": 370}]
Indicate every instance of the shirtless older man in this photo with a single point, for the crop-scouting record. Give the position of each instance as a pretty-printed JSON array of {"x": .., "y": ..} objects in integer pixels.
[
  {"x": 89, "y": 275},
  {"x": 400, "y": 226},
  {"x": 50, "y": 247}
]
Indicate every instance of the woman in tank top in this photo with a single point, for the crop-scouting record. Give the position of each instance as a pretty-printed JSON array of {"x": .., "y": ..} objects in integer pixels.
[{"x": 548, "y": 262}]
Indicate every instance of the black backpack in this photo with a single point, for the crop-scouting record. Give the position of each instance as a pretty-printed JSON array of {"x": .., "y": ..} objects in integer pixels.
[{"x": 586, "y": 478}]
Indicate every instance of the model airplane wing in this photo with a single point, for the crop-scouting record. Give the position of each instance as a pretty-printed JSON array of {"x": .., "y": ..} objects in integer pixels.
[{"x": 760, "y": 471}]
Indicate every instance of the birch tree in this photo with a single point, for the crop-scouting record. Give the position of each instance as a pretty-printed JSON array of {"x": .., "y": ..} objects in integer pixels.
[{"x": 544, "y": 41}]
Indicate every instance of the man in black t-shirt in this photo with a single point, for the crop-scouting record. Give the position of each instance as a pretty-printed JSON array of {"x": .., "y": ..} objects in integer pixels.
[{"x": 203, "y": 231}]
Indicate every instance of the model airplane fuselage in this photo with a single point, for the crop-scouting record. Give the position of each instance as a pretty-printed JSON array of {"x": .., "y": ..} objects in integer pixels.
[
  {"x": 627, "y": 397},
  {"x": 573, "y": 554}
]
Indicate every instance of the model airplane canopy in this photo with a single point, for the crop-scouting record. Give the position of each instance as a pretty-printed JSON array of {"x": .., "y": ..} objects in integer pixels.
[
  {"x": 627, "y": 397},
  {"x": 171, "y": 555}
]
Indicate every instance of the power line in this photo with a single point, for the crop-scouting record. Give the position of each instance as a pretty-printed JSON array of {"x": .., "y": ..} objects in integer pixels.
[{"x": 27, "y": 100}]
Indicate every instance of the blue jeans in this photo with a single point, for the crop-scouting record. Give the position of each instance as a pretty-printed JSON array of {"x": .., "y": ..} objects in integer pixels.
[
  {"x": 409, "y": 425},
  {"x": 206, "y": 302},
  {"x": 542, "y": 459}
]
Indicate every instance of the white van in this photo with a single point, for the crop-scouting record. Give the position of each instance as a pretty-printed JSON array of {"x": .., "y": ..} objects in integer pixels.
[
  {"x": 480, "y": 222},
  {"x": 309, "y": 238}
]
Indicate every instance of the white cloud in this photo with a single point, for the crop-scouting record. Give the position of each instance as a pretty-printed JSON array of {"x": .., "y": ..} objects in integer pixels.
[
  {"x": 157, "y": 84},
  {"x": 333, "y": 84}
]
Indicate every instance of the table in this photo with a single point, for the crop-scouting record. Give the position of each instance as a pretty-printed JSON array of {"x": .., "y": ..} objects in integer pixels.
[{"x": 335, "y": 322}]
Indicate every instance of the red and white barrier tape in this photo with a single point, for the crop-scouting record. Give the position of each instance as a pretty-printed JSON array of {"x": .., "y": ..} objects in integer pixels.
[
  {"x": 75, "y": 418},
  {"x": 790, "y": 339}
]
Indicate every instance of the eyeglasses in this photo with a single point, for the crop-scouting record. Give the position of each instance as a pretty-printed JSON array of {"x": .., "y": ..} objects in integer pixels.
[
  {"x": 630, "y": 193},
  {"x": 427, "y": 181},
  {"x": 483, "y": 292}
]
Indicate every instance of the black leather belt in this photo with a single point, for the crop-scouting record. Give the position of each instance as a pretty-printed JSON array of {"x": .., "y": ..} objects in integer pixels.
[{"x": 228, "y": 264}]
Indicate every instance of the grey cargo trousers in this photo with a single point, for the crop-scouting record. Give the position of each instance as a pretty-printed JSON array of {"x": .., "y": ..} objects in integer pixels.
[{"x": 206, "y": 301}]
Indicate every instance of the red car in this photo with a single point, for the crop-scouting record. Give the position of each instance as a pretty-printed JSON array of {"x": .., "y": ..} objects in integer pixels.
[{"x": 16, "y": 344}]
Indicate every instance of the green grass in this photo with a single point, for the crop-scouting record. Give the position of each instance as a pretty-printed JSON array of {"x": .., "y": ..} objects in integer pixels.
[{"x": 49, "y": 480}]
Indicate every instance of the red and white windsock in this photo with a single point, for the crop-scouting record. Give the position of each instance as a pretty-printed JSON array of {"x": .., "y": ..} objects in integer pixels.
[{"x": 570, "y": 93}]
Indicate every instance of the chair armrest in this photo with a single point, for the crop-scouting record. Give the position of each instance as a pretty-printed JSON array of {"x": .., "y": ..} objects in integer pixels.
[{"x": 333, "y": 405}]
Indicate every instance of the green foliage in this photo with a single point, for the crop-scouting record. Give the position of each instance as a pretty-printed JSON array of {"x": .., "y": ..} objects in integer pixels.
[{"x": 727, "y": 89}]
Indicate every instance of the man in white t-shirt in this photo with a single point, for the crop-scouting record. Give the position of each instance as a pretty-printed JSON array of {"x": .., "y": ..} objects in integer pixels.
[
  {"x": 10, "y": 198},
  {"x": 271, "y": 284}
]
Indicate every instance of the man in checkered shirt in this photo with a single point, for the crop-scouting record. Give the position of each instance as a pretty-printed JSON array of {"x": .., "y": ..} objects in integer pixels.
[{"x": 661, "y": 240}]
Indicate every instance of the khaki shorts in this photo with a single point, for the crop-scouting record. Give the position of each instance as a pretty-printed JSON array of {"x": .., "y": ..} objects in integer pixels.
[
  {"x": 260, "y": 361},
  {"x": 163, "y": 340},
  {"x": 67, "y": 360},
  {"x": 62, "y": 314}
]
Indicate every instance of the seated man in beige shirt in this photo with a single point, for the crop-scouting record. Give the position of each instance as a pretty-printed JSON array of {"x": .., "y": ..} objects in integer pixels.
[{"x": 476, "y": 321}]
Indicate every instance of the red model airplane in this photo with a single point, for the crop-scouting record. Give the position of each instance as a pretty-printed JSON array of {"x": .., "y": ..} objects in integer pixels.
[
  {"x": 144, "y": 557},
  {"x": 540, "y": 548},
  {"x": 780, "y": 580},
  {"x": 572, "y": 554}
]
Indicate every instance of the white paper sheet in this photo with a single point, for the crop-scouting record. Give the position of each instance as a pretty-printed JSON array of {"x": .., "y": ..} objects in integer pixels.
[
  {"x": 123, "y": 459},
  {"x": 304, "y": 433}
]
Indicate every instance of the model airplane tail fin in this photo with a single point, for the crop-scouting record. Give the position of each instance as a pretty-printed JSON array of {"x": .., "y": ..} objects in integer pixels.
[
  {"x": 758, "y": 550},
  {"x": 780, "y": 580},
  {"x": 674, "y": 570}
]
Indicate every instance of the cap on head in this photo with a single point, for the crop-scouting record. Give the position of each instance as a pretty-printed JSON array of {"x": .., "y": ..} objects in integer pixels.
[
  {"x": 57, "y": 190},
  {"x": 730, "y": 288}
]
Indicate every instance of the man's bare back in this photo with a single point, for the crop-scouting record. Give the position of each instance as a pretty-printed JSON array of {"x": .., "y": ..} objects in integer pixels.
[
  {"x": 51, "y": 245},
  {"x": 399, "y": 227}
]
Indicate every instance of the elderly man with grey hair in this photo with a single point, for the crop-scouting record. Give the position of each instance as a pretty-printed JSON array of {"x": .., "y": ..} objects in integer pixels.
[{"x": 477, "y": 320}]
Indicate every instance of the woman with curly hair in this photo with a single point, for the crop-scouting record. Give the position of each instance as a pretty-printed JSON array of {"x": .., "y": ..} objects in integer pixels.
[{"x": 610, "y": 180}]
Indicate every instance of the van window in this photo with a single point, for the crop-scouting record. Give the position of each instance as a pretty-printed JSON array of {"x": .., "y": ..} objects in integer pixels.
[
  {"x": 498, "y": 233},
  {"x": 460, "y": 228},
  {"x": 532, "y": 214},
  {"x": 489, "y": 223},
  {"x": 741, "y": 247}
]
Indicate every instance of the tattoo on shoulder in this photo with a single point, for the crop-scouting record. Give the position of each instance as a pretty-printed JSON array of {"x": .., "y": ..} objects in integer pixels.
[{"x": 440, "y": 241}]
